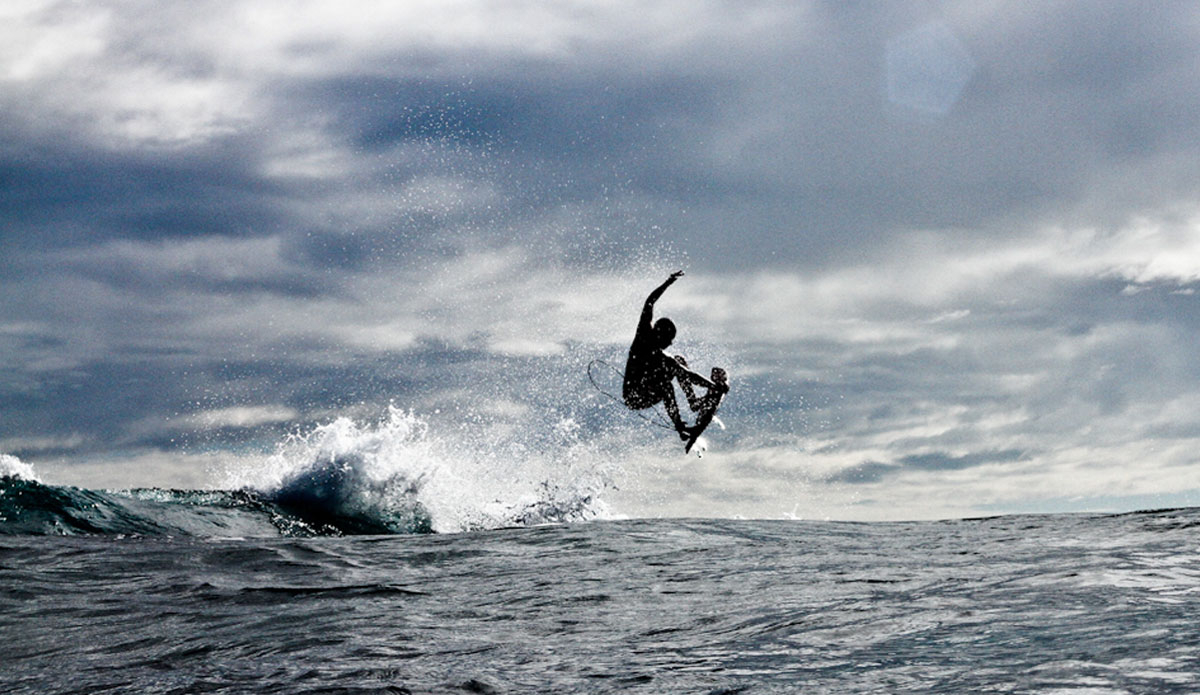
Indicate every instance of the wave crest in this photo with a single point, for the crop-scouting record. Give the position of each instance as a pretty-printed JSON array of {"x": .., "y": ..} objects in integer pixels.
[
  {"x": 13, "y": 467},
  {"x": 394, "y": 476},
  {"x": 388, "y": 477}
]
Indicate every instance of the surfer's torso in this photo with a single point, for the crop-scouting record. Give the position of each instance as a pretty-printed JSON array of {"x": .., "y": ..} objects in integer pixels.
[{"x": 646, "y": 371}]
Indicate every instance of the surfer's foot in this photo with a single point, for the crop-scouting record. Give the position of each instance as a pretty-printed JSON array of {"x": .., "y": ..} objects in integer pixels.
[{"x": 685, "y": 433}]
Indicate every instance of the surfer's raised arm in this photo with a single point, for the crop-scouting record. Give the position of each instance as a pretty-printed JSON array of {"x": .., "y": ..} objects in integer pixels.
[{"x": 648, "y": 309}]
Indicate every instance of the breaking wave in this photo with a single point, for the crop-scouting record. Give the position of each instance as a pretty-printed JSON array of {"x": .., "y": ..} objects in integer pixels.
[{"x": 344, "y": 477}]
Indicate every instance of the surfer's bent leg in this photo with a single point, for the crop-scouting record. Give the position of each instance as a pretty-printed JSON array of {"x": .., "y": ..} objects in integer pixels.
[
  {"x": 668, "y": 399},
  {"x": 685, "y": 383}
]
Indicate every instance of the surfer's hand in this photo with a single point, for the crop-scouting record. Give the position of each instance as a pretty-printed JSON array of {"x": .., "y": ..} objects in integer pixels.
[{"x": 675, "y": 276}]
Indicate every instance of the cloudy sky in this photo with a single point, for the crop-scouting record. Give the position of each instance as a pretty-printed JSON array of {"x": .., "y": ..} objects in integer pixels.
[{"x": 948, "y": 250}]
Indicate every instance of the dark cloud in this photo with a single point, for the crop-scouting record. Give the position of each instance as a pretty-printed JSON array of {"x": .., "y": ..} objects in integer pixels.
[
  {"x": 869, "y": 472},
  {"x": 69, "y": 192},
  {"x": 874, "y": 471},
  {"x": 790, "y": 144},
  {"x": 939, "y": 461}
]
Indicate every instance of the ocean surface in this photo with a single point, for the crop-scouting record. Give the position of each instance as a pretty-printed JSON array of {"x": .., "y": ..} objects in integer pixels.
[{"x": 242, "y": 591}]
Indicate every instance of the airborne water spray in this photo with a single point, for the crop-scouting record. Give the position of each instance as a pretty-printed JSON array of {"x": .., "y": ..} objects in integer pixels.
[{"x": 395, "y": 475}]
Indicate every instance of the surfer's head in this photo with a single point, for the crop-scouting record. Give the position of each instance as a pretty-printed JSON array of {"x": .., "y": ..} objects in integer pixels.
[{"x": 664, "y": 332}]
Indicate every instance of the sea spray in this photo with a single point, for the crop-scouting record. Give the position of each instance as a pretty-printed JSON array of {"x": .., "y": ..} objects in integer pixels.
[
  {"x": 13, "y": 467},
  {"x": 395, "y": 476},
  {"x": 346, "y": 476},
  {"x": 392, "y": 476}
]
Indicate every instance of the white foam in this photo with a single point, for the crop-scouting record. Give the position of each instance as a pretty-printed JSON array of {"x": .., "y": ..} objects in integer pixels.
[
  {"x": 465, "y": 481},
  {"x": 13, "y": 467}
]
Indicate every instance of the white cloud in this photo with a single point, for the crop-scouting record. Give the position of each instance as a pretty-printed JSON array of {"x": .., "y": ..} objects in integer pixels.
[
  {"x": 140, "y": 74},
  {"x": 164, "y": 469},
  {"x": 307, "y": 153},
  {"x": 211, "y": 258},
  {"x": 239, "y": 416},
  {"x": 525, "y": 347},
  {"x": 68, "y": 66},
  {"x": 40, "y": 38},
  {"x": 69, "y": 441},
  {"x": 785, "y": 482}
]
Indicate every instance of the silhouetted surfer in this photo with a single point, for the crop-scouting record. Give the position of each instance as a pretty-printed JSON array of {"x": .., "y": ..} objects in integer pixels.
[{"x": 649, "y": 371}]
